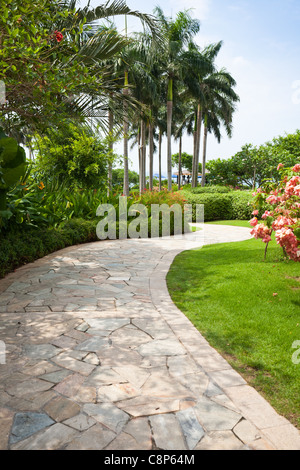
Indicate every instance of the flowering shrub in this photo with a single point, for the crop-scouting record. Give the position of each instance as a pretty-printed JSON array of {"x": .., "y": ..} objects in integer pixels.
[{"x": 283, "y": 214}]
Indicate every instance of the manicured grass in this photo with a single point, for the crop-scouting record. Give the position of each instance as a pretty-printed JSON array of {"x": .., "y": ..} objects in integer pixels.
[
  {"x": 235, "y": 223},
  {"x": 227, "y": 292}
]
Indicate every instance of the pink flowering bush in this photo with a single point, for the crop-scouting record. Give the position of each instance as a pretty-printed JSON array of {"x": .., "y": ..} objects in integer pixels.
[{"x": 283, "y": 214}]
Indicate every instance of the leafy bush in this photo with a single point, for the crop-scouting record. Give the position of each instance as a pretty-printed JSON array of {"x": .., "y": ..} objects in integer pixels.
[
  {"x": 231, "y": 206},
  {"x": 74, "y": 155},
  {"x": 209, "y": 189},
  {"x": 19, "y": 247}
]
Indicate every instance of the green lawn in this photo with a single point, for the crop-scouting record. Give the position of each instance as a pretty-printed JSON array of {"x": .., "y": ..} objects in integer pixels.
[{"x": 226, "y": 290}]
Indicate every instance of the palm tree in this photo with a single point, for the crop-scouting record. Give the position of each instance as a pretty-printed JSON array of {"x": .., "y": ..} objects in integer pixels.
[
  {"x": 211, "y": 90},
  {"x": 178, "y": 33},
  {"x": 220, "y": 99}
]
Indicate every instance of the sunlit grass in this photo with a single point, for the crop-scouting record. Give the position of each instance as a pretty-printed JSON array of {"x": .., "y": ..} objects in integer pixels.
[{"x": 249, "y": 310}]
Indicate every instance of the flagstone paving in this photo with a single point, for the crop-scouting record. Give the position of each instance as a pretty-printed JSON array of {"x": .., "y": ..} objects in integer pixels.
[{"x": 98, "y": 357}]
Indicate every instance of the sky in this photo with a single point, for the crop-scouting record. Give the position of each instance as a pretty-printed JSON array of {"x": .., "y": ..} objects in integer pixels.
[{"x": 261, "y": 50}]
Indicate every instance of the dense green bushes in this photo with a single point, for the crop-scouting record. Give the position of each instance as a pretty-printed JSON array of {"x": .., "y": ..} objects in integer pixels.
[
  {"x": 218, "y": 206},
  {"x": 208, "y": 189},
  {"x": 24, "y": 246}
]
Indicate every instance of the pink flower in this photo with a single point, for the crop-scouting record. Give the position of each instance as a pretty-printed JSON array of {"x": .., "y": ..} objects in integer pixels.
[
  {"x": 272, "y": 199},
  {"x": 255, "y": 212},
  {"x": 261, "y": 231},
  {"x": 253, "y": 222},
  {"x": 292, "y": 184},
  {"x": 265, "y": 215},
  {"x": 280, "y": 166},
  {"x": 296, "y": 168},
  {"x": 275, "y": 294}
]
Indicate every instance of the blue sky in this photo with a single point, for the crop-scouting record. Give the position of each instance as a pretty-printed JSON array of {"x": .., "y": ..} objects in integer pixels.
[{"x": 261, "y": 49}]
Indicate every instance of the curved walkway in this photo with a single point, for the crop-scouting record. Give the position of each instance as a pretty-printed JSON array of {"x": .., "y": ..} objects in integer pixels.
[{"x": 99, "y": 357}]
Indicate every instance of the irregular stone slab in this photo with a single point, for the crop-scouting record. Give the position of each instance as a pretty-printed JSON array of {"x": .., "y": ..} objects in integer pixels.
[
  {"x": 64, "y": 342},
  {"x": 27, "y": 424},
  {"x": 117, "y": 392},
  {"x": 41, "y": 368},
  {"x": 215, "y": 417},
  {"x": 167, "y": 347},
  {"x": 104, "y": 375},
  {"x": 70, "y": 386},
  {"x": 95, "y": 438},
  {"x": 86, "y": 395},
  {"x": 220, "y": 440},
  {"x": 108, "y": 415},
  {"x": 140, "y": 430},
  {"x": 6, "y": 419},
  {"x": 53, "y": 438},
  {"x": 133, "y": 374},
  {"x": 158, "y": 329},
  {"x": 115, "y": 356},
  {"x": 80, "y": 422},
  {"x": 196, "y": 383},
  {"x": 129, "y": 338},
  {"x": 110, "y": 324},
  {"x": 246, "y": 432},
  {"x": 191, "y": 428},
  {"x": 123, "y": 442},
  {"x": 28, "y": 388},
  {"x": 31, "y": 403},
  {"x": 181, "y": 365},
  {"x": 41, "y": 351},
  {"x": 167, "y": 433},
  {"x": 92, "y": 359},
  {"x": 56, "y": 377},
  {"x": 160, "y": 385},
  {"x": 225, "y": 401},
  {"x": 60, "y": 409},
  {"x": 65, "y": 360},
  {"x": 147, "y": 406},
  {"x": 93, "y": 344},
  {"x": 213, "y": 390}
]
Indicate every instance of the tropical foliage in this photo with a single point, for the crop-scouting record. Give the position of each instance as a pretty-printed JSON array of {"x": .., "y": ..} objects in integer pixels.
[{"x": 283, "y": 213}]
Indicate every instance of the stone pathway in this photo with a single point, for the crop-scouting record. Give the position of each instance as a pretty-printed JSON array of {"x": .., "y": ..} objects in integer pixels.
[{"x": 98, "y": 357}]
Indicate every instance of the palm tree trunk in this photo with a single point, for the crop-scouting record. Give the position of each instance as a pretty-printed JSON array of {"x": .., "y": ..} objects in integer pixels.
[
  {"x": 169, "y": 131},
  {"x": 198, "y": 135},
  {"x": 204, "y": 155},
  {"x": 140, "y": 160},
  {"x": 111, "y": 147},
  {"x": 194, "y": 151},
  {"x": 159, "y": 158},
  {"x": 179, "y": 162},
  {"x": 151, "y": 151},
  {"x": 125, "y": 130},
  {"x": 143, "y": 148}
]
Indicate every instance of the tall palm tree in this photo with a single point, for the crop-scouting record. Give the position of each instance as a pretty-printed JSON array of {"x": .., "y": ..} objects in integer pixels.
[
  {"x": 178, "y": 33},
  {"x": 211, "y": 90},
  {"x": 218, "y": 109}
]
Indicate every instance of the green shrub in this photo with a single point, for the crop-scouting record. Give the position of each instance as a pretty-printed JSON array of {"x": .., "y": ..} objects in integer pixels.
[
  {"x": 24, "y": 246},
  {"x": 209, "y": 189},
  {"x": 241, "y": 205},
  {"x": 218, "y": 206}
]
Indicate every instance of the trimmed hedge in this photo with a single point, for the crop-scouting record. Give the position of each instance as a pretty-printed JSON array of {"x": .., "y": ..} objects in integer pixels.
[
  {"x": 29, "y": 244},
  {"x": 235, "y": 205},
  {"x": 22, "y": 247},
  {"x": 208, "y": 189}
]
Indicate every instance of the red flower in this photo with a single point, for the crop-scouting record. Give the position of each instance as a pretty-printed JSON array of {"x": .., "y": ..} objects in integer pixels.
[{"x": 58, "y": 35}]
